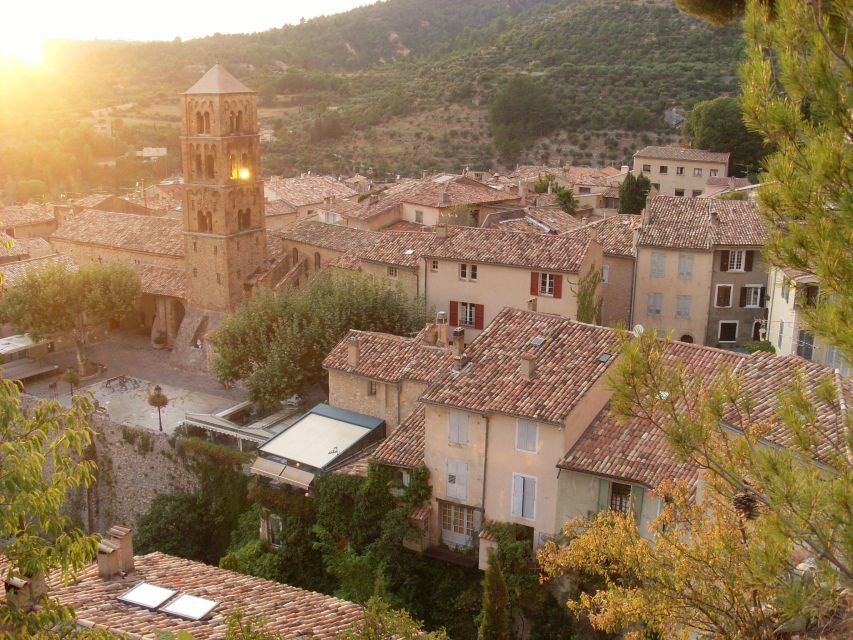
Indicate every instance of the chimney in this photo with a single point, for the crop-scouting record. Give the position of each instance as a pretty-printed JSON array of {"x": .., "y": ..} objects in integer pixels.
[
  {"x": 528, "y": 366},
  {"x": 109, "y": 559},
  {"x": 430, "y": 335},
  {"x": 424, "y": 174},
  {"x": 444, "y": 197},
  {"x": 624, "y": 168},
  {"x": 441, "y": 325},
  {"x": 531, "y": 304},
  {"x": 25, "y": 593},
  {"x": 441, "y": 231},
  {"x": 122, "y": 538},
  {"x": 352, "y": 351},
  {"x": 522, "y": 192},
  {"x": 458, "y": 341}
]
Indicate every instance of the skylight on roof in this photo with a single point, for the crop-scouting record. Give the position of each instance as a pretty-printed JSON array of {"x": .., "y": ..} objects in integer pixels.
[
  {"x": 604, "y": 357},
  {"x": 538, "y": 341},
  {"x": 189, "y": 607},
  {"x": 442, "y": 179},
  {"x": 409, "y": 252},
  {"x": 147, "y": 595}
]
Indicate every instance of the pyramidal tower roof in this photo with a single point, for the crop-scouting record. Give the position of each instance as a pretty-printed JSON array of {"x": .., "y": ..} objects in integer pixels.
[{"x": 218, "y": 80}]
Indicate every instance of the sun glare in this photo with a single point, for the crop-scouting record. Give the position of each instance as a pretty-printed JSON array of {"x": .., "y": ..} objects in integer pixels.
[{"x": 26, "y": 48}]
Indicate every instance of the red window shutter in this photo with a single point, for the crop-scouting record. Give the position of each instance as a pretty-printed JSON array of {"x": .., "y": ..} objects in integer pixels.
[
  {"x": 454, "y": 313},
  {"x": 479, "y": 312},
  {"x": 724, "y": 260},
  {"x": 748, "y": 261},
  {"x": 558, "y": 285},
  {"x": 534, "y": 283}
]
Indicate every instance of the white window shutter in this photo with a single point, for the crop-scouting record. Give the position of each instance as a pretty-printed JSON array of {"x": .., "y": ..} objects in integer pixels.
[
  {"x": 462, "y": 480},
  {"x": 517, "y": 495},
  {"x": 451, "y": 479},
  {"x": 453, "y": 434},
  {"x": 529, "y": 505}
]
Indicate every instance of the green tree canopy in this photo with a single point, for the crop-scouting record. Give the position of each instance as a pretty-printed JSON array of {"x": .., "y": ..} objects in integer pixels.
[
  {"x": 566, "y": 200},
  {"x": 495, "y": 622},
  {"x": 276, "y": 343},
  {"x": 53, "y": 300},
  {"x": 717, "y": 125},
  {"x": 521, "y": 110},
  {"x": 633, "y": 192}
]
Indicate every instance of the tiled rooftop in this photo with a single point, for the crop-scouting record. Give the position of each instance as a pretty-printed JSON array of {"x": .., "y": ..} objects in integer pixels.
[
  {"x": 390, "y": 358},
  {"x": 401, "y": 248},
  {"x": 329, "y": 236},
  {"x": 568, "y": 362},
  {"x": 14, "y": 271},
  {"x": 286, "y": 610},
  {"x": 163, "y": 281},
  {"x": 512, "y": 248},
  {"x": 405, "y": 447},
  {"x": 616, "y": 233},
  {"x": 681, "y": 153},
  {"x": 305, "y": 190},
  {"x": 688, "y": 223},
  {"x": 14, "y": 215},
  {"x": 129, "y": 231}
]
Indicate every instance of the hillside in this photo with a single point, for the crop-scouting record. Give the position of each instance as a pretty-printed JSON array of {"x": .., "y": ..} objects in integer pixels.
[{"x": 405, "y": 85}]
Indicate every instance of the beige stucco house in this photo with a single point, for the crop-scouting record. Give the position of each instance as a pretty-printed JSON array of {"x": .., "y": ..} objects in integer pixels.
[
  {"x": 300, "y": 197},
  {"x": 676, "y": 171}
]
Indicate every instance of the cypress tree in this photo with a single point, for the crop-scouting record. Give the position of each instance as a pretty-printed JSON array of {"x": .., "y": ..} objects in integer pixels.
[
  {"x": 495, "y": 621},
  {"x": 633, "y": 192}
]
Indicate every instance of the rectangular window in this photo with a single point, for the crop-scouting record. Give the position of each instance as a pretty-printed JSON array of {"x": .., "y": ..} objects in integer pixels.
[
  {"x": 736, "y": 260},
  {"x": 728, "y": 331},
  {"x": 682, "y": 307},
  {"x": 419, "y": 217},
  {"x": 685, "y": 267},
  {"x": 664, "y": 169},
  {"x": 523, "y": 496},
  {"x": 605, "y": 273},
  {"x": 697, "y": 193},
  {"x": 723, "y": 299},
  {"x": 697, "y": 172},
  {"x": 458, "y": 427},
  {"x": 752, "y": 296},
  {"x": 654, "y": 304},
  {"x": 658, "y": 265},
  {"x": 786, "y": 290},
  {"x": 779, "y": 338},
  {"x": 467, "y": 314},
  {"x": 457, "y": 524},
  {"x": 712, "y": 173},
  {"x": 679, "y": 171},
  {"x": 274, "y": 527},
  {"x": 583, "y": 190},
  {"x": 433, "y": 265},
  {"x": 546, "y": 284},
  {"x": 457, "y": 479},
  {"x": 805, "y": 344},
  {"x": 620, "y": 497},
  {"x": 526, "y": 435},
  {"x": 463, "y": 271},
  {"x": 468, "y": 272},
  {"x": 392, "y": 272},
  {"x": 679, "y": 193},
  {"x": 473, "y": 273},
  {"x": 371, "y": 387},
  {"x": 647, "y": 168}
]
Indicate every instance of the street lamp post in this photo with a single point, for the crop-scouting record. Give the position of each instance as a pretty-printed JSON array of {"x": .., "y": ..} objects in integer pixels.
[{"x": 158, "y": 399}]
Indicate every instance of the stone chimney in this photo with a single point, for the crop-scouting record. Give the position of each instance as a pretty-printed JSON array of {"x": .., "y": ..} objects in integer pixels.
[
  {"x": 122, "y": 537},
  {"x": 353, "y": 351},
  {"x": 115, "y": 553},
  {"x": 459, "y": 357},
  {"x": 424, "y": 174},
  {"x": 441, "y": 326},
  {"x": 25, "y": 593},
  {"x": 109, "y": 559},
  {"x": 531, "y": 304},
  {"x": 528, "y": 366},
  {"x": 441, "y": 231},
  {"x": 624, "y": 168}
]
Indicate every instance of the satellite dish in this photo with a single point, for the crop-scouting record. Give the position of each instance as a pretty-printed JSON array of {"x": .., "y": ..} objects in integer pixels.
[{"x": 638, "y": 329}]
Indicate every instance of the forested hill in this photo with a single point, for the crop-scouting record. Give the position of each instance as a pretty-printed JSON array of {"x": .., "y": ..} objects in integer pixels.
[{"x": 404, "y": 85}]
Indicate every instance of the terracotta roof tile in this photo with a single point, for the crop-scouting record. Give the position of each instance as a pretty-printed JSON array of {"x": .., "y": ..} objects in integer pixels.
[
  {"x": 400, "y": 248},
  {"x": 14, "y": 215},
  {"x": 329, "y": 236},
  {"x": 567, "y": 365},
  {"x": 133, "y": 232},
  {"x": 163, "y": 281},
  {"x": 405, "y": 447},
  {"x": 616, "y": 233},
  {"x": 286, "y": 610},
  {"x": 390, "y": 358},
  {"x": 305, "y": 190},
  {"x": 681, "y": 153},
  {"x": 14, "y": 271},
  {"x": 527, "y": 250}
]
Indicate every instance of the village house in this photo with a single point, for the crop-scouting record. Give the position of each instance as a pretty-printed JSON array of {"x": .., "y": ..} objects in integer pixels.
[
  {"x": 676, "y": 171},
  {"x": 699, "y": 271},
  {"x": 27, "y": 220},
  {"x": 596, "y": 189},
  {"x": 132, "y": 596},
  {"x": 790, "y": 294},
  {"x": 303, "y": 195}
]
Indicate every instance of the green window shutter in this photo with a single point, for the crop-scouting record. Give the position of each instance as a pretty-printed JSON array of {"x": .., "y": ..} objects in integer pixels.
[
  {"x": 603, "y": 494},
  {"x": 637, "y": 493}
]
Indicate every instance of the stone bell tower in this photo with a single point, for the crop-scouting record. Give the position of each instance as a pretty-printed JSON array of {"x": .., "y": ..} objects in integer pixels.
[{"x": 223, "y": 207}]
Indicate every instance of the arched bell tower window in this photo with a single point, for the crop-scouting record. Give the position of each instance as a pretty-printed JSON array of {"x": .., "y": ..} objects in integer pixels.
[
  {"x": 235, "y": 170},
  {"x": 232, "y": 120},
  {"x": 204, "y": 221},
  {"x": 209, "y": 166},
  {"x": 239, "y": 122},
  {"x": 199, "y": 122},
  {"x": 206, "y": 122},
  {"x": 199, "y": 169},
  {"x": 244, "y": 161}
]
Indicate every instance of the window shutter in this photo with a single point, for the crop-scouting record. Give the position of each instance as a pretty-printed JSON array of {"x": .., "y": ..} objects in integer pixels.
[
  {"x": 528, "y": 507},
  {"x": 534, "y": 283},
  {"x": 451, "y": 478},
  {"x": 743, "y": 296},
  {"x": 479, "y": 312},
  {"x": 603, "y": 494},
  {"x": 748, "y": 261},
  {"x": 517, "y": 495},
  {"x": 558, "y": 285},
  {"x": 724, "y": 260},
  {"x": 762, "y": 297},
  {"x": 454, "y": 313},
  {"x": 462, "y": 480},
  {"x": 453, "y": 435},
  {"x": 637, "y": 493}
]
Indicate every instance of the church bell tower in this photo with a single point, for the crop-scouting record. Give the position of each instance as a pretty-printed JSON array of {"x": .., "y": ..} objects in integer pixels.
[{"x": 223, "y": 206}]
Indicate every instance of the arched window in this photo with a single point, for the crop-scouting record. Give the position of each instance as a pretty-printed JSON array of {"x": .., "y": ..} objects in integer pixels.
[
  {"x": 206, "y": 122},
  {"x": 316, "y": 261},
  {"x": 234, "y": 168},
  {"x": 239, "y": 121},
  {"x": 209, "y": 168},
  {"x": 208, "y": 217},
  {"x": 231, "y": 122},
  {"x": 686, "y": 338},
  {"x": 199, "y": 169},
  {"x": 244, "y": 161},
  {"x": 199, "y": 122},
  {"x": 202, "y": 221},
  {"x": 295, "y": 255}
]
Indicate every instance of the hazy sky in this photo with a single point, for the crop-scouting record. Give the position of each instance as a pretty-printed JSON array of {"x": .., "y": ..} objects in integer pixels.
[{"x": 155, "y": 19}]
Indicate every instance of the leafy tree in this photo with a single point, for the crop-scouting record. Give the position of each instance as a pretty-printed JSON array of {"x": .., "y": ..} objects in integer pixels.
[
  {"x": 495, "y": 622},
  {"x": 717, "y": 125},
  {"x": 381, "y": 622},
  {"x": 276, "y": 343},
  {"x": 715, "y": 11},
  {"x": 633, "y": 192},
  {"x": 178, "y": 524},
  {"x": 51, "y": 300},
  {"x": 545, "y": 182},
  {"x": 36, "y": 537},
  {"x": 460, "y": 215},
  {"x": 589, "y": 302},
  {"x": 566, "y": 200},
  {"x": 521, "y": 110}
]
